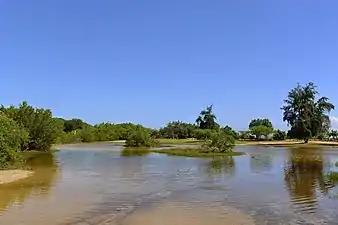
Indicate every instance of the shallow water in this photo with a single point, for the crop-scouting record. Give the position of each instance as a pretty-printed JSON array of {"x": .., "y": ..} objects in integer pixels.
[{"x": 95, "y": 184}]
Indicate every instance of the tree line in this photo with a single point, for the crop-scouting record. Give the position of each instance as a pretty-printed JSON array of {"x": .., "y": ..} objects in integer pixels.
[{"x": 26, "y": 128}]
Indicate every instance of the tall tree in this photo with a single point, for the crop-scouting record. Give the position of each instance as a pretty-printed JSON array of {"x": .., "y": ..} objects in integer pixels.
[
  {"x": 207, "y": 119},
  {"x": 260, "y": 122},
  {"x": 306, "y": 115}
]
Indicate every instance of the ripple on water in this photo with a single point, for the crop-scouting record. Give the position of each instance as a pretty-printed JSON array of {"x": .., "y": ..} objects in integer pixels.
[
  {"x": 188, "y": 214},
  {"x": 273, "y": 186}
]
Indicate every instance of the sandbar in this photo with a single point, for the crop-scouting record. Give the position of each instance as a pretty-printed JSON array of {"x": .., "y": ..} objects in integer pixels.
[{"x": 8, "y": 176}]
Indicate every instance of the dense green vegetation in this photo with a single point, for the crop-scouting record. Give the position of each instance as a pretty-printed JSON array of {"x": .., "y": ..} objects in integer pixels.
[
  {"x": 26, "y": 128},
  {"x": 11, "y": 139},
  {"x": 220, "y": 142},
  {"x": 307, "y": 116},
  {"x": 207, "y": 119},
  {"x": 279, "y": 135},
  {"x": 140, "y": 138},
  {"x": 260, "y": 122}
]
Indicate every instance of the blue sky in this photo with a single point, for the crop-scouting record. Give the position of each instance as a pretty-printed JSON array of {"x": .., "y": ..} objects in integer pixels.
[{"x": 153, "y": 61}]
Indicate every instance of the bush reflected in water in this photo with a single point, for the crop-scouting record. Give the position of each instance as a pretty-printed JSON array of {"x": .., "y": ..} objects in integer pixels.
[
  {"x": 221, "y": 165},
  {"x": 134, "y": 152},
  {"x": 45, "y": 174}
]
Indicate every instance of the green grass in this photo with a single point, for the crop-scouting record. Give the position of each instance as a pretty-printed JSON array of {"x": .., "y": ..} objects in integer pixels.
[
  {"x": 193, "y": 152},
  {"x": 178, "y": 141},
  {"x": 135, "y": 151}
]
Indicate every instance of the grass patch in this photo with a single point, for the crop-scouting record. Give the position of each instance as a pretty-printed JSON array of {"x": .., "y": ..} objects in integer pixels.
[
  {"x": 332, "y": 177},
  {"x": 178, "y": 141},
  {"x": 194, "y": 152}
]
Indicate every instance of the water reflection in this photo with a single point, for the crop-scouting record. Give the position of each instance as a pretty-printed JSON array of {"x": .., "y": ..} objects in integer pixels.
[
  {"x": 134, "y": 152},
  {"x": 304, "y": 174},
  {"x": 98, "y": 183},
  {"x": 331, "y": 182},
  {"x": 219, "y": 165},
  {"x": 45, "y": 170},
  {"x": 260, "y": 162}
]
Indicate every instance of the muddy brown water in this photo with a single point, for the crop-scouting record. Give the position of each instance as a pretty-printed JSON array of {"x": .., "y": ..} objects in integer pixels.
[{"x": 95, "y": 184}]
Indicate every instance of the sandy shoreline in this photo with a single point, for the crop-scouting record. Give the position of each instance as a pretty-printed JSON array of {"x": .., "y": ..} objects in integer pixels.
[
  {"x": 290, "y": 143},
  {"x": 8, "y": 176},
  {"x": 285, "y": 143},
  {"x": 76, "y": 146}
]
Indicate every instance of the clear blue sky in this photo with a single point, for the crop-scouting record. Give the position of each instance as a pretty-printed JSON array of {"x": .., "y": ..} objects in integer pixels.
[{"x": 152, "y": 61}]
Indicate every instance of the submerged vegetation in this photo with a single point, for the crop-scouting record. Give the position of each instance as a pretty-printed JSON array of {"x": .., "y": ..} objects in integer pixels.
[{"x": 25, "y": 128}]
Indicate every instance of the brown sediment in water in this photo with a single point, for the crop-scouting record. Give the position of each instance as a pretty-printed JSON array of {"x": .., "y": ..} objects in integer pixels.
[
  {"x": 8, "y": 176},
  {"x": 188, "y": 214}
]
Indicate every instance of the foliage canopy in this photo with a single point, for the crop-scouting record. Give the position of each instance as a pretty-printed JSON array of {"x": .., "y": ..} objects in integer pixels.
[
  {"x": 140, "y": 138},
  {"x": 207, "y": 119},
  {"x": 306, "y": 115},
  {"x": 219, "y": 142},
  {"x": 260, "y": 122},
  {"x": 38, "y": 122},
  {"x": 11, "y": 139}
]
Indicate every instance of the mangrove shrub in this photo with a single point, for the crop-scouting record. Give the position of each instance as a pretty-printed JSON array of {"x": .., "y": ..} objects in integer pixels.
[
  {"x": 42, "y": 128},
  {"x": 219, "y": 142},
  {"x": 11, "y": 138},
  {"x": 140, "y": 138},
  {"x": 204, "y": 134}
]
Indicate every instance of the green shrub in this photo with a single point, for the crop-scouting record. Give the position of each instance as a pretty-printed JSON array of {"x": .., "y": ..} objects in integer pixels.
[
  {"x": 279, "y": 135},
  {"x": 219, "y": 142},
  {"x": 87, "y": 134},
  {"x": 11, "y": 139},
  {"x": 229, "y": 131},
  {"x": 68, "y": 138},
  {"x": 140, "y": 138},
  {"x": 43, "y": 129},
  {"x": 203, "y": 134},
  {"x": 176, "y": 130}
]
